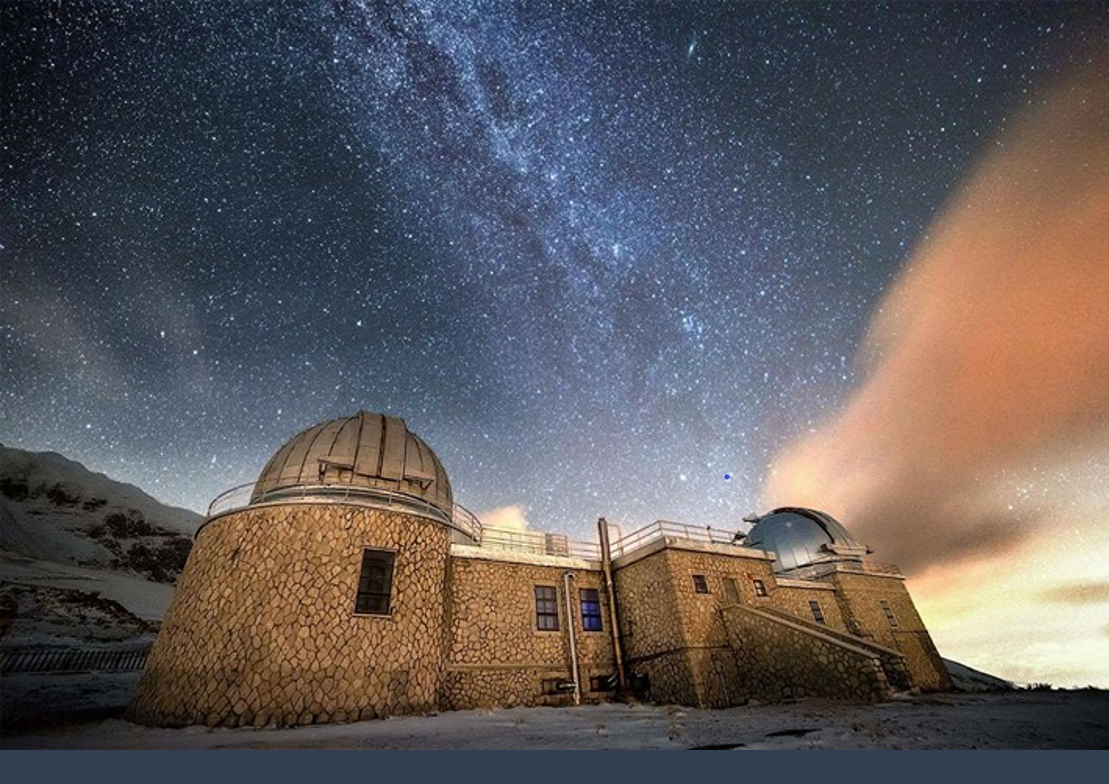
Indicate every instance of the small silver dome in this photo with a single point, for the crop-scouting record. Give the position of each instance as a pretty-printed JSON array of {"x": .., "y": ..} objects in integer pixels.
[{"x": 800, "y": 537}]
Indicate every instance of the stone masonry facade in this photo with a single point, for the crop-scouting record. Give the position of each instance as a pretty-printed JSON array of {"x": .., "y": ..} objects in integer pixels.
[
  {"x": 498, "y": 655},
  {"x": 781, "y": 660},
  {"x": 263, "y": 630}
]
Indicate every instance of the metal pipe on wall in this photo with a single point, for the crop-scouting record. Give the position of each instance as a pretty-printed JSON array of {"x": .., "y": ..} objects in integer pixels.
[
  {"x": 566, "y": 578},
  {"x": 614, "y": 622}
]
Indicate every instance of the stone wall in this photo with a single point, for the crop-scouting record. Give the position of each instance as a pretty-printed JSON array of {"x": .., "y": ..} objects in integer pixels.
[
  {"x": 262, "y": 628},
  {"x": 497, "y": 655},
  {"x": 860, "y": 597},
  {"x": 892, "y": 660},
  {"x": 779, "y": 659},
  {"x": 677, "y": 637},
  {"x": 647, "y": 607},
  {"x": 673, "y": 635},
  {"x": 792, "y": 598}
]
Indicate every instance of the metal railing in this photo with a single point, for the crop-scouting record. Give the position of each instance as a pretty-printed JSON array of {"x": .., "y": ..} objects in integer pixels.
[
  {"x": 251, "y": 494},
  {"x": 14, "y": 660},
  {"x": 462, "y": 519},
  {"x": 538, "y": 543},
  {"x": 467, "y": 522},
  {"x": 662, "y": 529}
]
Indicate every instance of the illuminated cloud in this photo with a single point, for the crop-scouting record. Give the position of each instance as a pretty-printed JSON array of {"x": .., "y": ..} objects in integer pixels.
[
  {"x": 1079, "y": 593},
  {"x": 989, "y": 359},
  {"x": 512, "y": 517}
]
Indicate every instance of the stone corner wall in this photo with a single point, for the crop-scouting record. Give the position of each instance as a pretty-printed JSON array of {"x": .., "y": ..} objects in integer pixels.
[
  {"x": 861, "y": 595},
  {"x": 262, "y": 629},
  {"x": 780, "y": 660}
]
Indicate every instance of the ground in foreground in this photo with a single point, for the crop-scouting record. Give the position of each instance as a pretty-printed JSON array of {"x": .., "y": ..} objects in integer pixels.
[{"x": 1007, "y": 720}]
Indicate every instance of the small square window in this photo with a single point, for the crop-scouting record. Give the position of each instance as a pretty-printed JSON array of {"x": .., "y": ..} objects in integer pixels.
[
  {"x": 602, "y": 683},
  {"x": 731, "y": 591},
  {"x": 590, "y": 610},
  {"x": 546, "y": 608},
  {"x": 817, "y": 613},
  {"x": 891, "y": 619},
  {"x": 375, "y": 583},
  {"x": 760, "y": 588},
  {"x": 700, "y": 584}
]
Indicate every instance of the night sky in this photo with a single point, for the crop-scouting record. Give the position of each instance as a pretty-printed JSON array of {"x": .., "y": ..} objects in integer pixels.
[{"x": 601, "y": 258}]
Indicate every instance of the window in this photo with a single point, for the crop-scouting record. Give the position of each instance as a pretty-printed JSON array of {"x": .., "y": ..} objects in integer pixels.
[
  {"x": 590, "y": 610},
  {"x": 700, "y": 585},
  {"x": 731, "y": 590},
  {"x": 890, "y": 617},
  {"x": 760, "y": 588},
  {"x": 817, "y": 613},
  {"x": 603, "y": 683},
  {"x": 546, "y": 608},
  {"x": 375, "y": 583}
]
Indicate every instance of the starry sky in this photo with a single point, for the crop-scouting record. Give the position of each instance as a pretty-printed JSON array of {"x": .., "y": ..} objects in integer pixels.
[{"x": 607, "y": 259}]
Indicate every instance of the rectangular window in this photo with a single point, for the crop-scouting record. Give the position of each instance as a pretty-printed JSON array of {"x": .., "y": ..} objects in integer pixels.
[
  {"x": 817, "y": 613},
  {"x": 375, "y": 583},
  {"x": 603, "y": 683},
  {"x": 760, "y": 588},
  {"x": 890, "y": 617},
  {"x": 546, "y": 608},
  {"x": 590, "y": 610},
  {"x": 700, "y": 584},
  {"x": 731, "y": 590}
]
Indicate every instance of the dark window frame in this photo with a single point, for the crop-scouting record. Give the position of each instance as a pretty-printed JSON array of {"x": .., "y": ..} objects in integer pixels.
[
  {"x": 546, "y": 608},
  {"x": 374, "y": 594},
  {"x": 700, "y": 584},
  {"x": 817, "y": 612},
  {"x": 891, "y": 619},
  {"x": 760, "y": 588},
  {"x": 602, "y": 683},
  {"x": 590, "y": 610}
]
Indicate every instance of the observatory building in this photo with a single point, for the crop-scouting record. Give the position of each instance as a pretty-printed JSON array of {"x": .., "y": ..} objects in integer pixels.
[{"x": 346, "y": 584}]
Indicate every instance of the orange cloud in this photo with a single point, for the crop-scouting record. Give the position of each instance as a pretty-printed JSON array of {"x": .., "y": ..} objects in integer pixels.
[{"x": 989, "y": 359}]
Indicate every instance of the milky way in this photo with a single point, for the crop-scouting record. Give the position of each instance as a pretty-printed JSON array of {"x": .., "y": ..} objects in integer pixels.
[{"x": 598, "y": 257}]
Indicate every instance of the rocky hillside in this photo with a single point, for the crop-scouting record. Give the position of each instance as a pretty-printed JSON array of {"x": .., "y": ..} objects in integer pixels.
[
  {"x": 55, "y": 509},
  {"x": 38, "y": 615}
]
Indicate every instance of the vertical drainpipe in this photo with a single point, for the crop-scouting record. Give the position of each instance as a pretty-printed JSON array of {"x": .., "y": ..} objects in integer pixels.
[
  {"x": 614, "y": 623},
  {"x": 566, "y": 578}
]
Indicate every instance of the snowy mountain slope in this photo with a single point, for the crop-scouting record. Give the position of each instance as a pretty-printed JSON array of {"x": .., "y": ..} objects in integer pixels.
[
  {"x": 973, "y": 681},
  {"x": 41, "y": 616},
  {"x": 84, "y": 559},
  {"x": 54, "y": 509},
  {"x": 145, "y": 599}
]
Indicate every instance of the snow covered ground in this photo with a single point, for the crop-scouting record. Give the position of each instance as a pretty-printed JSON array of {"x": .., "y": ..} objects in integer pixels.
[
  {"x": 144, "y": 598},
  {"x": 1003, "y": 720}
]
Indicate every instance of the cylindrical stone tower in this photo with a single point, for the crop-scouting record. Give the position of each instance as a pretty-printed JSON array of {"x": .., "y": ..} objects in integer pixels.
[{"x": 318, "y": 595}]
